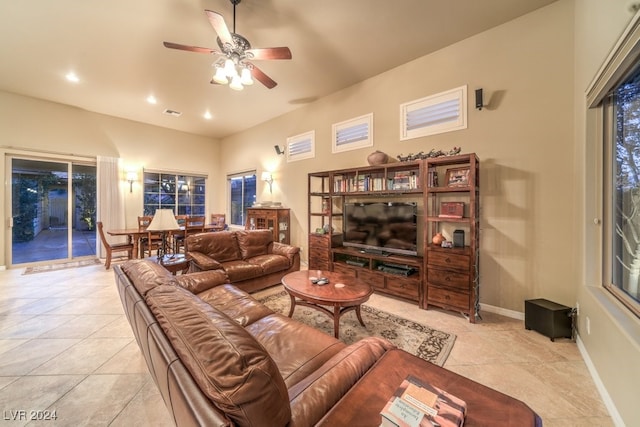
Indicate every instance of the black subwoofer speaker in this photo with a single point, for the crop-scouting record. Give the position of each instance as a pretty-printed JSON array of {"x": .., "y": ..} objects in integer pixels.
[
  {"x": 458, "y": 238},
  {"x": 549, "y": 318}
]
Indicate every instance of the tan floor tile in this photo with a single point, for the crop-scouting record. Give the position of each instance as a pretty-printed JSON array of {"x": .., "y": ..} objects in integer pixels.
[
  {"x": 129, "y": 360},
  {"x": 6, "y": 345},
  {"x": 34, "y": 393},
  {"x": 81, "y": 326},
  {"x": 32, "y": 327},
  {"x": 145, "y": 409},
  {"x": 119, "y": 328},
  {"x": 83, "y": 358},
  {"x": 97, "y": 400},
  {"x": 24, "y": 358}
]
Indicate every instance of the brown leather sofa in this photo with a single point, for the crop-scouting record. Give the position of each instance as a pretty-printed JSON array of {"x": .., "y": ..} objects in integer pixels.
[
  {"x": 221, "y": 358},
  {"x": 250, "y": 258}
]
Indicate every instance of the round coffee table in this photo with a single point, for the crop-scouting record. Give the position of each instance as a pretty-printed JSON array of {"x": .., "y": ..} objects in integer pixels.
[{"x": 343, "y": 292}]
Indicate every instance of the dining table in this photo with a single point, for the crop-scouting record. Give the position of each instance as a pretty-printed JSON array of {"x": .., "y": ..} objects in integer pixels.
[{"x": 135, "y": 235}]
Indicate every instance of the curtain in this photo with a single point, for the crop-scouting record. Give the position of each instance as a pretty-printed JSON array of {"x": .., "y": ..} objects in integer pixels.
[{"x": 111, "y": 209}]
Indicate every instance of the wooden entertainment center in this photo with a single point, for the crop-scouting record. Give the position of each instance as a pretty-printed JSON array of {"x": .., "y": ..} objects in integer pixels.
[{"x": 446, "y": 190}]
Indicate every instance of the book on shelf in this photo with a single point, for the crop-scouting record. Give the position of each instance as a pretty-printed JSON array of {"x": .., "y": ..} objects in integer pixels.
[
  {"x": 402, "y": 180},
  {"x": 432, "y": 177},
  {"x": 418, "y": 404}
]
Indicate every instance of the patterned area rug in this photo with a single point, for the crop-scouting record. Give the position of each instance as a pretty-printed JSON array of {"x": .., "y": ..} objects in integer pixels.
[
  {"x": 60, "y": 266},
  {"x": 425, "y": 342}
]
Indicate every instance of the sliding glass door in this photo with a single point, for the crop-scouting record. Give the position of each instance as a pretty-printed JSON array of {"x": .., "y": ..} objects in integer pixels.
[{"x": 53, "y": 207}]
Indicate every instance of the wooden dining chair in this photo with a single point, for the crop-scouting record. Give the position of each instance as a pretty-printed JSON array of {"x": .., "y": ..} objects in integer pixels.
[
  {"x": 194, "y": 224},
  {"x": 113, "y": 247},
  {"x": 178, "y": 238},
  {"x": 218, "y": 222},
  {"x": 152, "y": 240}
]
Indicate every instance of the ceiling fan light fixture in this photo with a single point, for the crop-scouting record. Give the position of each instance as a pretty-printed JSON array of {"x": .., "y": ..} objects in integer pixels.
[
  {"x": 220, "y": 76},
  {"x": 235, "y": 83},
  {"x": 245, "y": 77},
  {"x": 230, "y": 68}
]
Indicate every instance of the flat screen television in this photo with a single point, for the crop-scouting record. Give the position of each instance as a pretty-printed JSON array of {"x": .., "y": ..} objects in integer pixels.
[{"x": 381, "y": 227}]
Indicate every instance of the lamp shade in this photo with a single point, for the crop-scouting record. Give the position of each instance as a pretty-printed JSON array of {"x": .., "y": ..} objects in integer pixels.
[{"x": 163, "y": 220}]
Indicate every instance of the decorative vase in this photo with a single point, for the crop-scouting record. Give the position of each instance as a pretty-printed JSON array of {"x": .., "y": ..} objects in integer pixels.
[
  {"x": 438, "y": 239},
  {"x": 377, "y": 158}
]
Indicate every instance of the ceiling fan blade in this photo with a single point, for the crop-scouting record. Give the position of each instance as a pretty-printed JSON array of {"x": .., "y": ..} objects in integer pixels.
[
  {"x": 217, "y": 22},
  {"x": 262, "y": 77},
  {"x": 269, "y": 53},
  {"x": 189, "y": 48}
]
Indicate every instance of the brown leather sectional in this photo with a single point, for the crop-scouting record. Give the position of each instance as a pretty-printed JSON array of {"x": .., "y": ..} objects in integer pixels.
[
  {"x": 221, "y": 358},
  {"x": 250, "y": 258}
]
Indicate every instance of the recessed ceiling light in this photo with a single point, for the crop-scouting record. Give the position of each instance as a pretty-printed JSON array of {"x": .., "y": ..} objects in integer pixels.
[
  {"x": 207, "y": 115},
  {"x": 72, "y": 77},
  {"x": 152, "y": 100}
]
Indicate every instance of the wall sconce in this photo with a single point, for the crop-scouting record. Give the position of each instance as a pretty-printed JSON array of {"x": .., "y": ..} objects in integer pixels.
[
  {"x": 268, "y": 178},
  {"x": 131, "y": 177},
  {"x": 278, "y": 150},
  {"x": 479, "y": 101}
]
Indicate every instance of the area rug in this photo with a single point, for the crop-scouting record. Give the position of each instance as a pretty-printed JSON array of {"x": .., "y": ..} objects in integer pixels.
[
  {"x": 60, "y": 266},
  {"x": 425, "y": 342}
]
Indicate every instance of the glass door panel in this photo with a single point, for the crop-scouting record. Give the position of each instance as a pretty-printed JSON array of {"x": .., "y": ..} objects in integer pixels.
[
  {"x": 83, "y": 240},
  {"x": 42, "y": 229}
]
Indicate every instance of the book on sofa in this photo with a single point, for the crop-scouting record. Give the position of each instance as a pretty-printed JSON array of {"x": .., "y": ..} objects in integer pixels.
[{"x": 418, "y": 404}]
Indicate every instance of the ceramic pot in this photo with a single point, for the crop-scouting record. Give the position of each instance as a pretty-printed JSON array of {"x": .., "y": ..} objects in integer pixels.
[
  {"x": 377, "y": 158},
  {"x": 438, "y": 239}
]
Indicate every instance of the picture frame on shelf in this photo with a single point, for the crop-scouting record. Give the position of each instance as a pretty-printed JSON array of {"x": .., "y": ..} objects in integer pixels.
[
  {"x": 451, "y": 210},
  {"x": 457, "y": 177}
]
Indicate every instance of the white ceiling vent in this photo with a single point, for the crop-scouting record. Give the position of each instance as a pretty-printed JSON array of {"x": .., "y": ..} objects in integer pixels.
[{"x": 173, "y": 113}]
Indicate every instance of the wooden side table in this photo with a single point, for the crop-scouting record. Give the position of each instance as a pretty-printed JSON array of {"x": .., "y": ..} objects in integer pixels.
[{"x": 174, "y": 263}]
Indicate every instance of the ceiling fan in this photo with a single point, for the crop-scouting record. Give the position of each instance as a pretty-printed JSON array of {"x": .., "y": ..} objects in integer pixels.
[{"x": 234, "y": 67}]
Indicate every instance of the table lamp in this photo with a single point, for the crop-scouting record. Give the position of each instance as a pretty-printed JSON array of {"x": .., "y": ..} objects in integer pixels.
[{"x": 163, "y": 220}]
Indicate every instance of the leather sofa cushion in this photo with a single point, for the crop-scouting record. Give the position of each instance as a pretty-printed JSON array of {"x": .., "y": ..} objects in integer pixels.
[
  {"x": 296, "y": 349},
  {"x": 270, "y": 263},
  {"x": 202, "y": 280},
  {"x": 221, "y": 245},
  {"x": 314, "y": 396},
  {"x": 254, "y": 242},
  {"x": 241, "y": 270},
  {"x": 147, "y": 275},
  {"x": 228, "y": 365},
  {"x": 235, "y": 303}
]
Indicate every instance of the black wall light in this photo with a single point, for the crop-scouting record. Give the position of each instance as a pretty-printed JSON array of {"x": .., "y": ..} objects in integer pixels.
[
  {"x": 479, "y": 102},
  {"x": 278, "y": 149}
]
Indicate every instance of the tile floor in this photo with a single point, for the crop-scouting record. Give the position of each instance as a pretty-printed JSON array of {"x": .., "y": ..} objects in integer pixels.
[{"x": 66, "y": 346}]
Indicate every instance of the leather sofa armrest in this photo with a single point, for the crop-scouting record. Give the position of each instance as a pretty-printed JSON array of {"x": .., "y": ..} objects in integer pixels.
[
  {"x": 284, "y": 249},
  {"x": 314, "y": 396},
  {"x": 202, "y": 280},
  {"x": 202, "y": 262}
]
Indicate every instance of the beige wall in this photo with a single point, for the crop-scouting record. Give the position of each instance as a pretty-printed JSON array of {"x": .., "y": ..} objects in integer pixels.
[
  {"x": 36, "y": 125},
  {"x": 523, "y": 139},
  {"x": 613, "y": 344},
  {"x": 539, "y": 177}
]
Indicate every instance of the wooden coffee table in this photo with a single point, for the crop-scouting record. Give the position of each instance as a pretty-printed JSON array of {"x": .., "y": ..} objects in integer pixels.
[{"x": 344, "y": 293}]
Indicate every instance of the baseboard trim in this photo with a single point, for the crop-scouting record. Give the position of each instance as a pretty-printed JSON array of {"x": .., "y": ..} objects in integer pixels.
[
  {"x": 502, "y": 311},
  {"x": 604, "y": 394}
]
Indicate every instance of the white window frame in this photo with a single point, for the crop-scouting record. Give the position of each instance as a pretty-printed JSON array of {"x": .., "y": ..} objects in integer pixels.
[
  {"x": 296, "y": 146},
  {"x": 447, "y": 111},
  {"x": 349, "y": 125}
]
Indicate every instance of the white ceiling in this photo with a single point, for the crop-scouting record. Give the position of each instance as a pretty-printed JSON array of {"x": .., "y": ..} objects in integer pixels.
[{"x": 115, "y": 47}]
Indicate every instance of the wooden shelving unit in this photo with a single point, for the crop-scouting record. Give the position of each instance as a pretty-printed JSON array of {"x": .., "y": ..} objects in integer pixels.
[
  {"x": 442, "y": 277},
  {"x": 275, "y": 219},
  {"x": 452, "y": 279}
]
